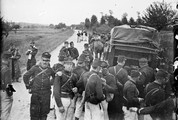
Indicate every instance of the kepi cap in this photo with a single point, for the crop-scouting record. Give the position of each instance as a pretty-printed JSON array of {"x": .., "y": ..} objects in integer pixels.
[
  {"x": 46, "y": 55},
  {"x": 143, "y": 60}
]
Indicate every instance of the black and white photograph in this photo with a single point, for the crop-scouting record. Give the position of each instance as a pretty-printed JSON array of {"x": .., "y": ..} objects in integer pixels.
[{"x": 89, "y": 60}]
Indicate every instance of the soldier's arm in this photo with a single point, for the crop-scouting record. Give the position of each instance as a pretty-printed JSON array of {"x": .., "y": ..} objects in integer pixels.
[
  {"x": 99, "y": 89},
  {"x": 57, "y": 90},
  {"x": 53, "y": 76},
  {"x": 27, "y": 75},
  {"x": 34, "y": 52}
]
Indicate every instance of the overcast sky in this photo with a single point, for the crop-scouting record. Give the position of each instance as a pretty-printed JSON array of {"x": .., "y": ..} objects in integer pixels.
[{"x": 70, "y": 11}]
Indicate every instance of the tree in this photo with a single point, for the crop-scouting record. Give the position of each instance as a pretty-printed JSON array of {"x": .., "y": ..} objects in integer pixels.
[
  {"x": 15, "y": 26},
  {"x": 117, "y": 22},
  {"x": 124, "y": 18},
  {"x": 87, "y": 23},
  {"x": 94, "y": 20},
  {"x": 158, "y": 15},
  {"x": 51, "y": 25},
  {"x": 132, "y": 21},
  {"x": 60, "y": 25},
  {"x": 102, "y": 21}
]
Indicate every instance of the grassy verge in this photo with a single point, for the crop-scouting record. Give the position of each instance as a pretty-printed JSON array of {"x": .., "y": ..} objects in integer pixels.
[{"x": 46, "y": 39}]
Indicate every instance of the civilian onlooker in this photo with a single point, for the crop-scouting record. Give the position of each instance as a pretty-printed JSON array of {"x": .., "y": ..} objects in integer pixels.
[{"x": 31, "y": 52}]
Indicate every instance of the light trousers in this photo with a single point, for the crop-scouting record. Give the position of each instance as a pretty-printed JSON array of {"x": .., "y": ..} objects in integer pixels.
[
  {"x": 93, "y": 112},
  {"x": 6, "y": 105},
  {"x": 68, "y": 114}
]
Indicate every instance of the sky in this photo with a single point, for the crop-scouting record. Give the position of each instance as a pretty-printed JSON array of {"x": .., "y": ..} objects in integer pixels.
[{"x": 71, "y": 11}]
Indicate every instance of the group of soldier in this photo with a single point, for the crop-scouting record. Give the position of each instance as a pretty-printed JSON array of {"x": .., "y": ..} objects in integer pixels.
[
  {"x": 92, "y": 87},
  {"x": 97, "y": 90}
]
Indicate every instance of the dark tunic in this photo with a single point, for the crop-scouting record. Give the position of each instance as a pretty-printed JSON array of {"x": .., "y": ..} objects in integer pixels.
[{"x": 40, "y": 89}]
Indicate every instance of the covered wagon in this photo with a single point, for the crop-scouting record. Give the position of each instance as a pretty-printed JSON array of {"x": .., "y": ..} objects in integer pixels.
[{"x": 134, "y": 42}]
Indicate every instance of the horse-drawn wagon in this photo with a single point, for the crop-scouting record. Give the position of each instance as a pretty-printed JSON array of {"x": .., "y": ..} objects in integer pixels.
[{"x": 134, "y": 42}]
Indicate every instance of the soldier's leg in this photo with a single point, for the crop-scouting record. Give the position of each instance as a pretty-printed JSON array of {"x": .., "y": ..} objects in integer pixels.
[
  {"x": 79, "y": 107},
  {"x": 105, "y": 107},
  {"x": 87, "y": 114},
  {"x": 35, "y": 107},
  {"x": 66, "y": 103},
  {"x": 6, "y": 105},
  {"x": 45, "y": 105},
  {"x": 96, "y": 112}
]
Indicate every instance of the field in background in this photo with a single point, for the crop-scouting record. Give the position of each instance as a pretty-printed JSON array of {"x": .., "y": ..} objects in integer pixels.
[{"x": 46, "y": 39}]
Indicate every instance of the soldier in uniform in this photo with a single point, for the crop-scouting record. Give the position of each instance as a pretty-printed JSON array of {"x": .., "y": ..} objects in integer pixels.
[
  {"x": 73, "y": 51},
  {"x": 131, "y": 93},
  {"x": 65, "y": 50},
  {"x": 109, "y": 88},
  {"x": 79, "y": 70},
  {"x": 94, "y": 94},
  {"x": 64, "y": 90},
  {"x": 40, "y": 87},
  {"x": 121, "y": 77},
  {"x": 146, "y": 77},
  {"x": 155, "y": 91},
  {"x": 88, "y": 54},
  {"x": 6, "y": 88},
  {"x": 167, "y": 107},
  {"x": 31, "y": 52}
]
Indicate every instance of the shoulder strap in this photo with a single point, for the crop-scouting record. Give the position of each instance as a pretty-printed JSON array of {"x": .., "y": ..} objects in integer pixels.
[
  {"x": 116, "y": 71},
  {"x": 67, "y": 80},
  {"x": 39, "y": 73}
]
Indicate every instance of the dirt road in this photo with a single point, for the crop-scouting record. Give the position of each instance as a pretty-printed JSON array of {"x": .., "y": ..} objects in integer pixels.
[{"x": 21, "y": 103}]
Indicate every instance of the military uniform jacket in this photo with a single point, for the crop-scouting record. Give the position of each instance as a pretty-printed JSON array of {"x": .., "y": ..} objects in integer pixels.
[
  {"x": 154, "y": 93},
  {"x": 73, "y": 52},
  {"x": 111, "y": 83},
  {"x": 120, "y": 73},
  {"x": 33, "y": 53},
  {"x": 41, "y": 81},
  {"x": 131, "y": 93},
  {"x": 147, "y": 74},
  {"x": 63, "y": 86},
  {"x": 94, "y": 86}
]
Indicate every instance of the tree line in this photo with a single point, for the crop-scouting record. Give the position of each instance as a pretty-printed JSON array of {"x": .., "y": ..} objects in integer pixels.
[{"x": 157, "y": 15}]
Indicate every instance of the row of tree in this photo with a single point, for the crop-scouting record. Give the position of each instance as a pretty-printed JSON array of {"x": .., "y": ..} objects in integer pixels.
[{"x": 157, "y": 15}]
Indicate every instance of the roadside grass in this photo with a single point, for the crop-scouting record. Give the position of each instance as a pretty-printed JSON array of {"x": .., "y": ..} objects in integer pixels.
[{"x": 46, "y": 40}]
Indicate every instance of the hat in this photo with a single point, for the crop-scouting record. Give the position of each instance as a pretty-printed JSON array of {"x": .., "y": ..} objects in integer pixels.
[
  {"x": 135, "y": 73},
  {"x": 6, "y": 54},
  {"x": 161, "y": 73},
  {"x": 121, "y": 58},
  {"x": 46, "y": 55},
  {"x": 96, "y": 63},
  {"x": 104, "y": 64},
  {"x": 143, "y": 60},
  {"x": 66, "y": 42},
  {"x": 71, "y": 42}
]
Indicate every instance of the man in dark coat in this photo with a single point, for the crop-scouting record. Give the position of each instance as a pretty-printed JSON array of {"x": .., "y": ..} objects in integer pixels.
[
  {"x": 40, "y": 87},
  {"x": 109, "y": 87},
  {"x": 64, "y": 51},
  {"x": 146, "y": 77},
  {"x": 94, "y": 94},
  {"x": 79, "y": 70},
  {"x": 6, "y": 89},
  {"x": 121, "y": 77},
  {"x": 64, "y": 90},
  {"x": 31, "y": 55},
  {"x": 73, "y": 51},
  {"x": 167, "y": 107},
  {"x": 155, "y": 91}
]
